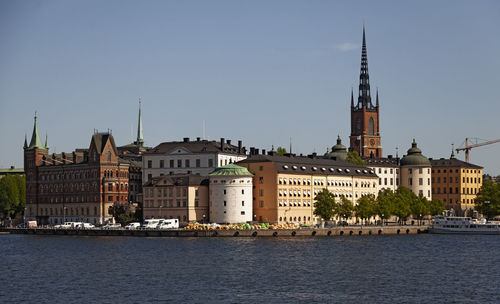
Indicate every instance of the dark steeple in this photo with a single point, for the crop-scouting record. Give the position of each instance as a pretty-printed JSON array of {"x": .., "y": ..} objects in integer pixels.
[
  {"x": 377, "y": 98},
  {"x": 364, "y": 98},
  {"x": 352, "y": 98}
]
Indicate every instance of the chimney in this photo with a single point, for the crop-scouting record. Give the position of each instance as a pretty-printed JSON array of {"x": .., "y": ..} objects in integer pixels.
[
  {"x": 263, "y": 152},
  {"x": 228, "y": 141},
  {"x": 389, "y": 156},
  {"x": 271, "y": 153},
  {"x": 12, "y": 167},
  {"x": 198, "y": 139},
  {"x": 186, "y": 139},
  {"x": 222, "y": 143},
  {"x": 256, "y": 151},
  {"x": 252, "y": 150},
  {"x": 239, "y": 146}
]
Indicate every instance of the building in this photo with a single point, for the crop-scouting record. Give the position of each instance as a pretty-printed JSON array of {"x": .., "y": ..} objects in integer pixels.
[
  {"x": 339, "y": 151},
  {"x": 190, "y": 157},
  {"x": 416, "y": 172},
  {"x": 184, "y": 197},
  {"x": 11, "y": 171},
  {"x": 365, "y": 131},
  {"x": 457, "y": 183},
  {"x": 77, "y": 186},
  {"x": 230, "y": 195},
  {"x": 387, "y": 169},
  {"x": 285, "y": 186}
]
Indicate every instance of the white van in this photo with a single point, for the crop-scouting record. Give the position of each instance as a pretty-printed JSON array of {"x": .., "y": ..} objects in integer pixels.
[
  {"x": 133, "y": 225},
  {"x": 168, "y": 224},
  {"x": 150, "y": 223}
]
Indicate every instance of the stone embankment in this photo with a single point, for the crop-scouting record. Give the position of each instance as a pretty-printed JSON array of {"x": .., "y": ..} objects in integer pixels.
[{"x": 336, "y": 231}]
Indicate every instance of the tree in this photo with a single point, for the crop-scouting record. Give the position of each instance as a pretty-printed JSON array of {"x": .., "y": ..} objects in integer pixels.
[
  {"x": 12, "y": 195},
  {"x": 403, "y": 198},
  {"x": 436, "y": 206},
  {"x": 489, "y": 199},
  {"x": 354, "y": 158},
  {"x": 385, "y": 203},
  {"x": 366, "y": 207},
  {"x": 345, "y": 207},
  {"x": 419, "y": 207},
  {"x": 325, "y": 205},
  {"x": 280, "y": 151},
  {"x": 122, "y": 212}
]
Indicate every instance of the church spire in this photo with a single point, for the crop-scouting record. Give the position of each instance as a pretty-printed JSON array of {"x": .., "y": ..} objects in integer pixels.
[
  {"x": 377, "y": 99},
  {"x": 35, "y": 139},
  {"x": 25, "y": 141},
  {"x": 46, "y": 142},
  {"x": 364, "y": 98},
  {"x": 352, "y": 98},
  {"x": 140, "y": 139}
]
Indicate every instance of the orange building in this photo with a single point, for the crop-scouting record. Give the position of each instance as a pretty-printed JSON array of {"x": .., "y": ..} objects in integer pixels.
[
  {"x": 285, "y": 186},
  {"x": 457, "y": 183}
]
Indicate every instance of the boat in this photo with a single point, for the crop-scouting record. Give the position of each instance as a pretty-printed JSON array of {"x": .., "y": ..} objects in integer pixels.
[{"x": 463, "y": 225}]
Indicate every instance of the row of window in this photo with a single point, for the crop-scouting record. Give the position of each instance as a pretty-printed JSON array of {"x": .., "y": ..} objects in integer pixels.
[
  {"x": 464, "y": 190},
  {"x": 475, "y": 180},
  {"x": 168, "y": 204},
  {"x": 391, "y": 181},
  {"x": 420, "y": 181},
  {"x": 294, "y": 219},
  {"x": 456, "y": 171},
  {"x": 150, "y": 192},
  {"x": 184, "y": 164},
  {"x": 86, "y": 174},
  {"x": 67, "y": 211},
  {"x": 391, "y": 170},
  {"x": 294, "y": 204},
  {"x": 420, "y": 171}
]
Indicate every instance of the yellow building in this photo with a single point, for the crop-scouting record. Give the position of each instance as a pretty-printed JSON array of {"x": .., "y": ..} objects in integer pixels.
[
  {"x": 285, "y": 186},
  {"x": 457, "y": 183},
  {"x": 184, "y": 197}
]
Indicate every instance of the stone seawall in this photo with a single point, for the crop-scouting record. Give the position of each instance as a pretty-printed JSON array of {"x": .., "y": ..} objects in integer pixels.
[{"x": 336, "y": 231}]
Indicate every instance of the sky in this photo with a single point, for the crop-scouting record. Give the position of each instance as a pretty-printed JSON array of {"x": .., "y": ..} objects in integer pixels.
[{"x": 257, "y": 71}]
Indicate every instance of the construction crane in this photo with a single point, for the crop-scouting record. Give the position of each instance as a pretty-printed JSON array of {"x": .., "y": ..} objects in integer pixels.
[{"x": 468, "y": 147}]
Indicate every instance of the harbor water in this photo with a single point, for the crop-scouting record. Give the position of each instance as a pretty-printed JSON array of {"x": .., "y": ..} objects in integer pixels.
[{"x": 419, "y": 268}]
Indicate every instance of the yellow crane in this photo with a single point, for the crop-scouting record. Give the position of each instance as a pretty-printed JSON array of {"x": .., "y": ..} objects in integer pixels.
[{"x": 468, "y": 147}]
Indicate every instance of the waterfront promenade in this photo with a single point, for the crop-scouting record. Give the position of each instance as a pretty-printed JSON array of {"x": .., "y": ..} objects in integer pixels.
[{"x": 321, "y": 232}]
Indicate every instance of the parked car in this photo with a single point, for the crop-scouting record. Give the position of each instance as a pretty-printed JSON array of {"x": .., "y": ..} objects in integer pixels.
[
  {"x": 84, "y": 225},
  {"x": 112, "y": 226},
  {"x": 168, "y": 224},
  {"x": 133, "y": 225},
  {"x": 66, "y": 225}
]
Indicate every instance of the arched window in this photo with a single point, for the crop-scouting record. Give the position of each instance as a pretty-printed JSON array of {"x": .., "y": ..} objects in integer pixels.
[
  {"x": 358, "y": 126},
  {"x": 109, "y": 156},
  {"x": 371, "y": 126}
]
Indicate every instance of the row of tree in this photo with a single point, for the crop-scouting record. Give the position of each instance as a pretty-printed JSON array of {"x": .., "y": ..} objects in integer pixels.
[
  {"x": 403, "y": 203},
  {"x": 12, "y": 195}
]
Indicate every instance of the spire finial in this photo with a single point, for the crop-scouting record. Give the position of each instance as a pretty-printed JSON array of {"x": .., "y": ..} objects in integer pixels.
[
  {"x": 46, "y": 141},
  {"x": 25, "y": 141},
  {"x": 452, "y": 151},
  {"x": 352, "y": 97},
  {"x": 35, "y": 138},
  {"x": 397, "y": 156},
  {"x": 364, "y": 79},
  {"x": 377, "y": 98}
]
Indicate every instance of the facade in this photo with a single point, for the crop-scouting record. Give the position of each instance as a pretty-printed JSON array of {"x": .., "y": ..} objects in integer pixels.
[
  {"x": 184, "y": 197},
  {"x": 387, "y": 169},
  {"x": 78, "y": 186},
  {"x": 416, "y": 172},
  {"x": 457, "y": 183},
  {"x": 190, "y": 157},
  {"x": 231, "y": 195},
  {"x": 285, "y": 186},
  {"x": 365, "y": 127}
]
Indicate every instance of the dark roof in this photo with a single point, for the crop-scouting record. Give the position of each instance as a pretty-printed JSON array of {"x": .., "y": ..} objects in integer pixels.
[
  {"x": 311, "y": 165},
  {"x": 414, "y": 157},
  {"x": 178, "y": 180},
  {"x": 100, "y": 140},
  {"x": 453, "y": 162},
  {"x": 381, "y": 161},
  {"x": 198, "y": 146}
]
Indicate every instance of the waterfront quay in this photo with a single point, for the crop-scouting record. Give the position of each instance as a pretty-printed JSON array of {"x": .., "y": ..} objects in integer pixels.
[{"x": 320, "y": 232}]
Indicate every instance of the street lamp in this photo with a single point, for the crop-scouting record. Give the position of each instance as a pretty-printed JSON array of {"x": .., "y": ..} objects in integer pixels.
[
  {"x": 204, "y": 218},
  {"x": 382, "y": 219}
]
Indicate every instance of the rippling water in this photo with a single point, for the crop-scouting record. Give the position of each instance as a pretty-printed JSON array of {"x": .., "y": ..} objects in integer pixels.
[{"x": 376, "y": 269}]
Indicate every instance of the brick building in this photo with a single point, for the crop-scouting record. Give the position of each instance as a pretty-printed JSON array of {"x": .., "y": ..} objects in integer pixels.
[{"x": 77, "y": 186}]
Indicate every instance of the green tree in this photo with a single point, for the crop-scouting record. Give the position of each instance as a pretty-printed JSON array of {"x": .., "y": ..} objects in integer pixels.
[
  {"x": 385, "y": 203},
  {"x": 354, "y": 158},
  {"x": 436, "y": 206},
  {"x": 402, "y": 202},
  {"x": 366, "y": 207},
  {"x": 122, "y": 212},
  {"x": 489, "y": 199},
  {"x": 280, "y": 151},
  {"x": 419, "y": 207},
  {"x": 325, "y": 205},
  {"x": 345, "y": 208},
  {"x": 12, "y": 195}
]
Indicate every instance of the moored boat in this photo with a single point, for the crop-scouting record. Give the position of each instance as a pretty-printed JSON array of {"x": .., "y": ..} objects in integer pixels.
[{"x": 463, "y": 225}]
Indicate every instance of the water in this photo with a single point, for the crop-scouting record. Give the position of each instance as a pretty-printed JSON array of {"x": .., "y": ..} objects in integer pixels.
[{"x": 370, "y": 269}]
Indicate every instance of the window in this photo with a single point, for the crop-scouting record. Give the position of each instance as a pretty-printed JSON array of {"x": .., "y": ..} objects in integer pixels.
[
  {"x": 242, "y": 212},
  {"x": 420, "y": 192},
  {"x": 261, "y": 168},
  {"x": 385, "y": 181},
  {"x": 224, "y": 191},
  {"x": 261, "y": 192},
  {"x": 161, "y": 163},
  {"x": 108, "y": 155},
  {"x": 187, "y": 163},
  {"x": 179, "y": 163},
  {"x": 210, "y": 163},
  {"x": 171, "y": 163},
  {"x": 198, "y": 163},
  {"x": 410, "y": 181},
  {"x": 150, "y": 163},
  {"x": 196, "y": 192},
  {"x": 150, "y": 176},
  {"x": 242, "y": 191},
  {"x": 420, "y": 171},
  {"x": 242, "y": 203},
  {"x": 392, "y": 181},
  {"x": 225, "y": 203},
  {"x": 196, "y": 203},
  {"x": 261, "y": 204},
  {"x": 371, "y": 126},
  {"x": 420, "y": 181},
  {"x": 410, "y": 171},
  {"x": 261, "y": 180},
  {"x": 110, "y": 187}
]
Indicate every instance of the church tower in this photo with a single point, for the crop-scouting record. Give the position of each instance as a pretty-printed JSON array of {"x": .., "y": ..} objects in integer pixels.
[{"x": 365, "y": 133}]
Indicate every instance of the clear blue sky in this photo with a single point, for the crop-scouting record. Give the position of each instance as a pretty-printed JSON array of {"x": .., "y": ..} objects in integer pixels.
[{"x": 260, "y": 71}]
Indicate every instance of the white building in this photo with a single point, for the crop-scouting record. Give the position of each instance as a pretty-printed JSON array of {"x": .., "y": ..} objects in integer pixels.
[
  {"x": 387, "y": 170},
  {"x": 189, "y": 157},
  {"x": 230, "y": 193},
  {"x": 416, "y": 172}
]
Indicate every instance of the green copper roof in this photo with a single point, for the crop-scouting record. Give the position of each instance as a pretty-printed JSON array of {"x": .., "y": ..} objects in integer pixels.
[
  {"x": 339, "y": 151},
  {"x": 35, "y": 139},
  {"x": 46, "y": 142},
  {"x": 231, "y": 170},
  {"x": 415, "y": 157}
]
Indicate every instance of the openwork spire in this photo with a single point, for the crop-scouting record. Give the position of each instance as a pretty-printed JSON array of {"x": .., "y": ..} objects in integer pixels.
[{"x": 364, "y": 98}]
